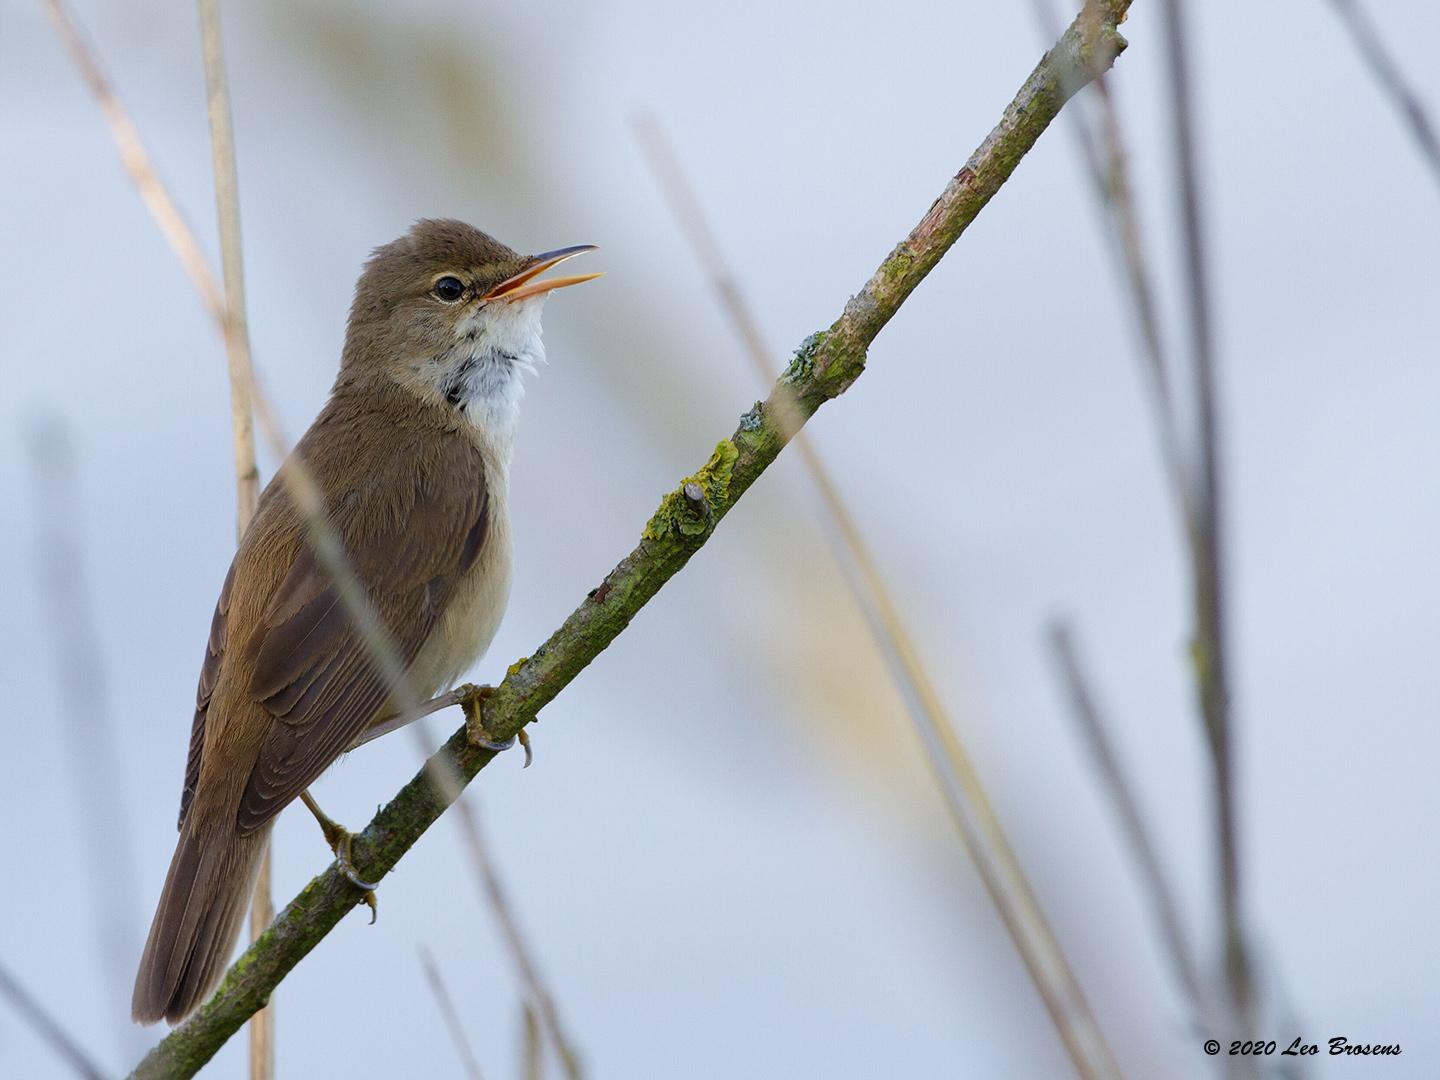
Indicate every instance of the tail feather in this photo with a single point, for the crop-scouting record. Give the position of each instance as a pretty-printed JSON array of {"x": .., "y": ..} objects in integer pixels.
[{"x": 197, "y": 921}]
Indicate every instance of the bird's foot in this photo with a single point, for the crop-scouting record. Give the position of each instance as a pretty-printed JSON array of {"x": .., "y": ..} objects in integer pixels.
[
  {"x": 342, "y": 863},
  {"x": 340, "y": 840},
  {"x": 474, "y": 706}
]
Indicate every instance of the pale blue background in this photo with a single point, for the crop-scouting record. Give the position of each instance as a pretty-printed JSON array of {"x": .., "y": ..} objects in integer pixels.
[{"x": 729, "y": 855}]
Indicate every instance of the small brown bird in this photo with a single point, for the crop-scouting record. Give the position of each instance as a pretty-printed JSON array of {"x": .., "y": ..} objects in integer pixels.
[{"x": 411, "y": 456}]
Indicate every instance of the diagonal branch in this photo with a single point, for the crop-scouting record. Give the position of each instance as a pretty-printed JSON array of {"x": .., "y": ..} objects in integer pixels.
[{"x": 823, "y": 368}]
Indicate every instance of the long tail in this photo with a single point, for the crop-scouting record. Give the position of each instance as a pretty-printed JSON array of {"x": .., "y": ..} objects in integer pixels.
[{"x": 206, "y": 895}]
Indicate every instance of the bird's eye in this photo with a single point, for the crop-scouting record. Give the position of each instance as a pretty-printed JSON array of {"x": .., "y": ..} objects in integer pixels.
[{"x": 448, "y": 289}]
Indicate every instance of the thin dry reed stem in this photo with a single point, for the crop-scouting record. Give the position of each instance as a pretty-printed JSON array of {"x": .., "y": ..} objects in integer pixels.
[
  {"x": 965, "y": 797},
  {"x": 446, "y": 1004},
  {"x": 84, "y": 705},
  {"x": 1392, "y": 80},
  {"x": 532, "y": 1063},
  {"x": 137, "y": 163},
  {"x": 520, "y": 953},
  {"x": 1127, "y": 808},
  {"x": 1208, "y": 564},
  {"x": 47, "y": 1027},
  {"x": 247, "y": 475},
  {"x": 1102, "y": 147}
]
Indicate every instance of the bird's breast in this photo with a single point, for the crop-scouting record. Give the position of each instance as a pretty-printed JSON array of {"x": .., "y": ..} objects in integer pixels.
[{"x": 476, "y": 606}]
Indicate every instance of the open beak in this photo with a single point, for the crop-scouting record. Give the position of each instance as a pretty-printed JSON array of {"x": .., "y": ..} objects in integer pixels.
[{"x": 523, "y": 284}]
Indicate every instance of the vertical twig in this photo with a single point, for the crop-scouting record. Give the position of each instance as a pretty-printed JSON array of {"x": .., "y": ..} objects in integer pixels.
[
  {"x": 247, "y": 476},
  {"x": 232, "y": 264},
  {"x": 450, "y": 1016},
  {"x": 83, "y": 694},
  {"x": 1208, "y": 555},
  {"x": 965, "y": 797},
  {"x": 47, "y": 1027},
  {"x": 1392, "y": 80}
]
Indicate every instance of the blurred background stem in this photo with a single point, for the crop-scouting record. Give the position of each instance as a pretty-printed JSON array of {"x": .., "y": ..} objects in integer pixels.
[{"x": 247, "y": 475}]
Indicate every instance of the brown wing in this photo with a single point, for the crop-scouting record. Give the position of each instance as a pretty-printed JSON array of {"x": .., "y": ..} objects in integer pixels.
[
  {"x": 412, "y": 526},
  {"x": 209, "y": 673}
]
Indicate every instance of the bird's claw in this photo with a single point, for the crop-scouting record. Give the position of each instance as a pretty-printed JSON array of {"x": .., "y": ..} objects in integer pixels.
[
  {"x": 475, "y": 726},
  {"x": 347, "y": 870},
  {"x": 350, "y": 874},
  {"x": 522, "y": 737},
  {"x": 341, "y": 840}
]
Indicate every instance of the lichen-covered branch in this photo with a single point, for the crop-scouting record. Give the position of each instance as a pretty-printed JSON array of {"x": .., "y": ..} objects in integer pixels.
[{"x": 824, "y": 367}]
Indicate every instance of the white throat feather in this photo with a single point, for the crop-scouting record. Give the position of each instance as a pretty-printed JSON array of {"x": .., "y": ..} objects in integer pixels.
[{"x": 482, "y": 374}]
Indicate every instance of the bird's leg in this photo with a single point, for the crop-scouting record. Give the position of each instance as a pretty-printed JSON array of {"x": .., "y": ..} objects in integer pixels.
[
  {"x": 467, "y": 695},
  {"x": 340, "y": 838},
  {"x": 385, "y": 723}
]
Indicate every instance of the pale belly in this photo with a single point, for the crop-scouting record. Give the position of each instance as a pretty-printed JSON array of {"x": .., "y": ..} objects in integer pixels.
[{"x": 471, "y": 617}]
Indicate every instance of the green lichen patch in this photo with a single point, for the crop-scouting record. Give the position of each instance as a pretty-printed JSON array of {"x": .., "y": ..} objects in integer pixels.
[
  {"x": 802, "y": 364},
  {"x": 677, "y": 516},
  {"x": 898, "y": 265}
]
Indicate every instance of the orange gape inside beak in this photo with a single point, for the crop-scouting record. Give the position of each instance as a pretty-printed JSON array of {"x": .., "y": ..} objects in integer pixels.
[{"x": 523, "y": 284}]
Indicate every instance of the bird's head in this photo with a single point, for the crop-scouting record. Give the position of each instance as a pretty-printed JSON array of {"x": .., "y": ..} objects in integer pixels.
[{"x": 454, "y": 315}]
